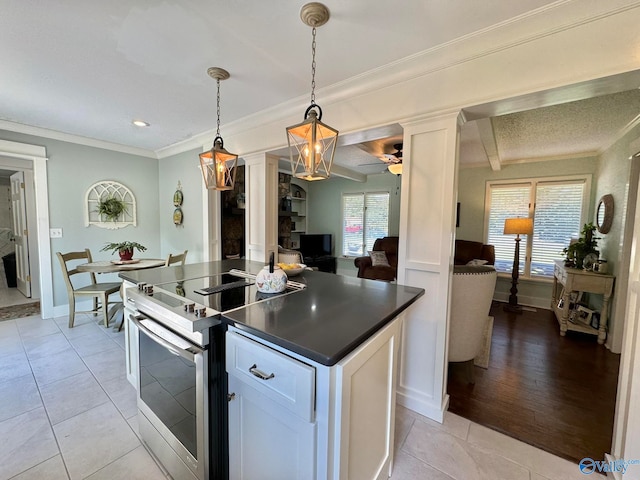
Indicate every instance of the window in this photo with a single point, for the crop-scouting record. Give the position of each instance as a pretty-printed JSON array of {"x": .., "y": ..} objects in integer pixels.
[
  {"x": 365, "y": 217},
  {"x": 558, "y": 209}
]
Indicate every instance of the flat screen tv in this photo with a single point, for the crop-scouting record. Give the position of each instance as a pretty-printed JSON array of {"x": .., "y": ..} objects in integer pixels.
[{"x": 315, "y": 244}]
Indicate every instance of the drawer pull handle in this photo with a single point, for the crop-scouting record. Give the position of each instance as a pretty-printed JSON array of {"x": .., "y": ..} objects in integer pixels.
[{"x": 259, "y": 373}]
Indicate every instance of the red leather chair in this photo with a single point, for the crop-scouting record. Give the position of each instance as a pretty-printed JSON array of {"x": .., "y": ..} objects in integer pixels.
[{"x": 389, "y": 245}]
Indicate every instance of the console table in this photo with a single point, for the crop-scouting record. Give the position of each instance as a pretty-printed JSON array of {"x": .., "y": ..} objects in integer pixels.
[
  {"x": 324, "y": 264},
  {"x": 577, "y": 280}
]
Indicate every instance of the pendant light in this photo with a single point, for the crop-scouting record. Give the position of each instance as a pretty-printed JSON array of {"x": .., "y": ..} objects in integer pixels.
[
  {"x": 218, "y": 165},
  {"x": 312, "y": 143}
]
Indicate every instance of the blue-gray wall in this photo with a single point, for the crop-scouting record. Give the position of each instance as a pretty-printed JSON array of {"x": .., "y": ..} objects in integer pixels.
[
  {"x": 71, "y": 170},
  {"x": 183, "y": 168},
  {"x": 324, "y": 209}
]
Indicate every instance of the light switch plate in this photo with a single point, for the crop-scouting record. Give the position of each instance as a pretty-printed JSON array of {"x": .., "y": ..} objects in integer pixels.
[{"x": 55, "y": 233}]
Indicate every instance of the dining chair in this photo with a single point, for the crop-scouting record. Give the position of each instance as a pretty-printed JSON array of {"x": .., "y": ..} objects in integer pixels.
[
  {"x": 179, "y": 258},
  {"x": 99, "y": 291}
]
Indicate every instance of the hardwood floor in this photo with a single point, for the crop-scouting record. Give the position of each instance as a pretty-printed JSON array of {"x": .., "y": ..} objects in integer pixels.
[{"x": 556, "y": 393}]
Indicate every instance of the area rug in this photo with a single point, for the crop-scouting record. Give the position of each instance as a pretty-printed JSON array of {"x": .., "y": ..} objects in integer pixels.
[
  {"x": 482, "y": 360},
  {"x": 19, "y": 311}
]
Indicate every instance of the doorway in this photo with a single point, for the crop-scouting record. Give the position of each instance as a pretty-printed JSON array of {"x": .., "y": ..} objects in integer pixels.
[
  {"x": 17, "y": 251},
  {"x": 17, "y": 156},
  {"x": 560, "y": 374}
]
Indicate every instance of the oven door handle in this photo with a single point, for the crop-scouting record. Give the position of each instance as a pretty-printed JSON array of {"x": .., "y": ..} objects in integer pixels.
[{"x": 187, "y": 354}]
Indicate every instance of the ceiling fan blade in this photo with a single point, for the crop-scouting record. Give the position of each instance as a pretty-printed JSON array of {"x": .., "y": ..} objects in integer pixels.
[{"x": 382, "y": 162}]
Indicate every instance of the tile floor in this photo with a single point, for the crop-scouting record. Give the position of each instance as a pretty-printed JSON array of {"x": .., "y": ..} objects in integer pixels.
[
  {"x": 11, "y": 296},
  {"x": 68, "y": 412}
]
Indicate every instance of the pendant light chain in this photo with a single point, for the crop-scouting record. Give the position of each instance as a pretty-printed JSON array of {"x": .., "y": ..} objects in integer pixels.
[
  {"x": 313, "y": 67},
  {"x": 218, "y": 103}
]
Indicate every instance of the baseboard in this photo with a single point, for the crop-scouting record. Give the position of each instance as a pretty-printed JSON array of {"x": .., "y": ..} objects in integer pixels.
[
  {"x": 533, "y": 302},
  {"x": 425, "y": 409}
]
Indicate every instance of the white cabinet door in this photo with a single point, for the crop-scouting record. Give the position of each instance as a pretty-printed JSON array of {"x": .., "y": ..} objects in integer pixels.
[
  {"x": 365, "y": 413},
  {"x": 266, "y": 440}
]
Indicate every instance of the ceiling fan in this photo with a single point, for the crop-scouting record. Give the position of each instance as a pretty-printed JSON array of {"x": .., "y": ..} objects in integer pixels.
[
  {"x": 395, "y": 167},
  {"x": 393, "y": 160}
]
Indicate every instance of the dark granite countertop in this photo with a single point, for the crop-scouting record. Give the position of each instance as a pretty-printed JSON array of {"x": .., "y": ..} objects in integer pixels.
[{"x": 324, "y": 322}]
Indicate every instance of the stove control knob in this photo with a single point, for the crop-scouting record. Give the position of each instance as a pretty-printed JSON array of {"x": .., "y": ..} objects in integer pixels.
[
  {"x": 141, "y": 285},
  {"x": 148, "y": 289},
  {"x": 189, "y": 307},
  {"x": 201, "y": 311}
]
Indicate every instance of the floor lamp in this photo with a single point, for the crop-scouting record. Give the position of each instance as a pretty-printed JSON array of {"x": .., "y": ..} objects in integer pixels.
[{"x": 517, "y": 226}]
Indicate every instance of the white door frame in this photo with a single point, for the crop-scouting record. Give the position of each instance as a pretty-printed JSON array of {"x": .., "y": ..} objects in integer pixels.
[{"x": 38, "y": 156}]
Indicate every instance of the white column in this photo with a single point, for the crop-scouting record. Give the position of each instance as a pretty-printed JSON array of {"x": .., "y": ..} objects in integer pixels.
[
  {"x": 261, "y": 211},
  {"x": 211, "y": 222},
  {"x": 427, "y": 220}
]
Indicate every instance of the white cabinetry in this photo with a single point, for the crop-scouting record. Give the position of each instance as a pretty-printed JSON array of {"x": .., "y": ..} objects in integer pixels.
[
  {"x": 131, "y": 338},
  {"x": 271, "y": 413},
  {"x": 311, "y": 421}
]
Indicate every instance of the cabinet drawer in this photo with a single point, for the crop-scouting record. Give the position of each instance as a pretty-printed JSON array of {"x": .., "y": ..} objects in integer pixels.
[{"x": 283, "y": 379}]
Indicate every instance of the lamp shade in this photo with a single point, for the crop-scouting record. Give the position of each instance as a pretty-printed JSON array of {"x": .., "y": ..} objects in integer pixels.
[
  {"x": 218, "y": 167},
  {"x": 312, "y": 145},
  {"x": 518, "y": 226}
]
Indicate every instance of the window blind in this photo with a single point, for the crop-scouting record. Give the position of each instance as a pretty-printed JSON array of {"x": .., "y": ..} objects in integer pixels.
[
  {"x": 557, "y": 217},
  {"x": 365, "y": 218},
  {"x": 507, "y": 201},
  {"x": 556, "y": 221}
]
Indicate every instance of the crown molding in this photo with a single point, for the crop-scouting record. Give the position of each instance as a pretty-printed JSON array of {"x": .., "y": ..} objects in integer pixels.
[{"x": 76, "y": 139}]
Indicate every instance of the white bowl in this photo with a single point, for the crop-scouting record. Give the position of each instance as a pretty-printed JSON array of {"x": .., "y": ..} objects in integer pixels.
[{"x": 291, "y": 272}]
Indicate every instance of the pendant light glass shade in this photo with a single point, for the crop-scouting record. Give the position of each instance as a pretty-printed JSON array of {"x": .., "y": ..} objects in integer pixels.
[
  {"x": 312, "y": 144},
  {"x": 218, "y": 165}
]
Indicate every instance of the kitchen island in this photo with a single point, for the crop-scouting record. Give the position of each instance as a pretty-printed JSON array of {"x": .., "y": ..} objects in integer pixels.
[{"x": 311, "y": 374}]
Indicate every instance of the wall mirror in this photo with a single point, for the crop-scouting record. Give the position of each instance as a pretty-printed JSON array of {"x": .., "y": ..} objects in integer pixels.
[{"x": 604, "y": 213}]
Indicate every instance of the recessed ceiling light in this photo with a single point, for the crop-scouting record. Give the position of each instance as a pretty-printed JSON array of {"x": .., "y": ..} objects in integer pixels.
[{"x": 140, "y": 123}]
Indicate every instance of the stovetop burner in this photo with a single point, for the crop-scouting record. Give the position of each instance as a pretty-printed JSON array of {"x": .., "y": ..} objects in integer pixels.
[{"x": 192, "y": 304}]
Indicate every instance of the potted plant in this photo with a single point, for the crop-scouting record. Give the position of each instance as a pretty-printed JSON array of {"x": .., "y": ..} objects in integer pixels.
[
  {"x": 577, "y": 251},
  {"x": 124, "y": 249},
  {"x": 110, "y": 207}
]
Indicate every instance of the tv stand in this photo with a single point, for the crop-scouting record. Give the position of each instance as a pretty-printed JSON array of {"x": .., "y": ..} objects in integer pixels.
[{"x": 324, "y": 263}]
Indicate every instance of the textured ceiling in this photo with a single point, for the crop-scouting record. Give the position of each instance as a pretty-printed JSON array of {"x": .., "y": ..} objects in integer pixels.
[{"x": 570, "y": 129}]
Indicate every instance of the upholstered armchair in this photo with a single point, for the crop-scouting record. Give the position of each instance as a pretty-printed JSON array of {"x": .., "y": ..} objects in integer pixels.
[
  {"x": 470, "y": 325},
  {"x": 373, "y": 267},
  {"x": 467, "y": 250}
]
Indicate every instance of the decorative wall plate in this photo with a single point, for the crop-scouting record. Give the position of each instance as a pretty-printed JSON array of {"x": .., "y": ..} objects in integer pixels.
[
  {"x": 177, "y": 216},
  {"x": 178, "y": 198}
]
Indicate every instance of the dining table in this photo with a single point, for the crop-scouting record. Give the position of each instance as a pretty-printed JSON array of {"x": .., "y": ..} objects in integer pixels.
[{"x": 115, "y": 266}]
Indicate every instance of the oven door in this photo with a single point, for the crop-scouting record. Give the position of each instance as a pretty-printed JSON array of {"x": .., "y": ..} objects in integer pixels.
[{"x": 172, "y": 395}]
